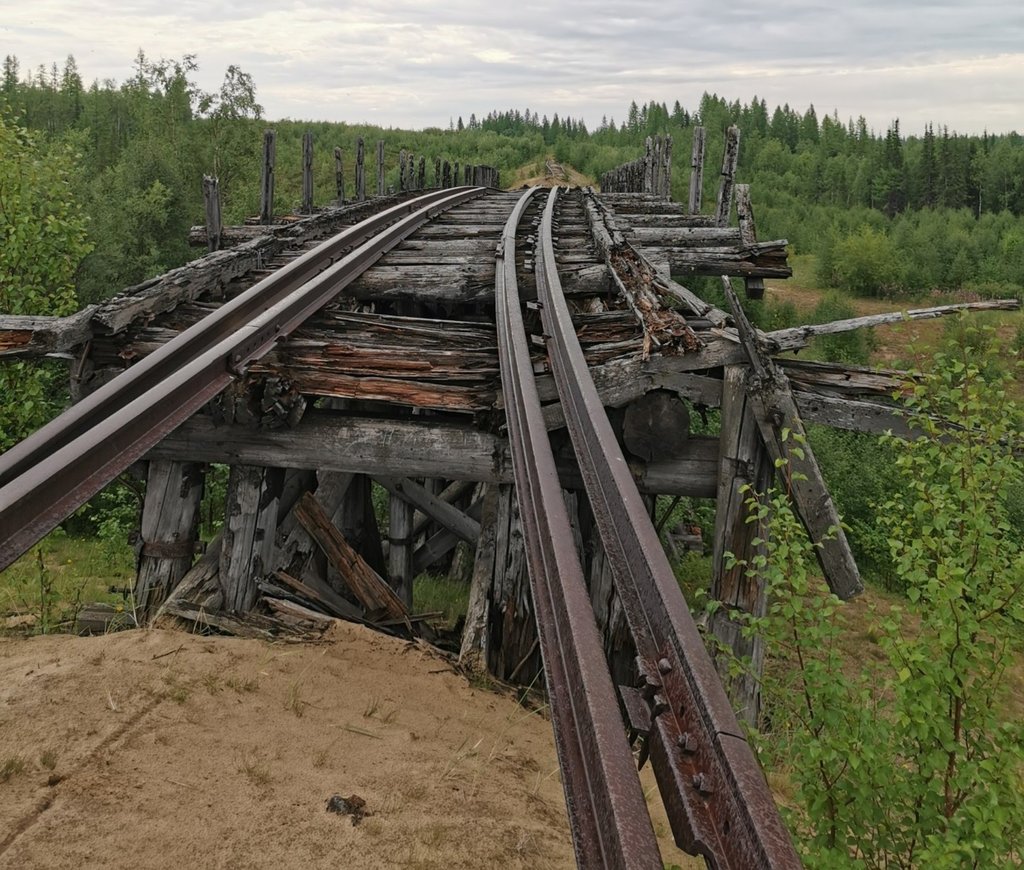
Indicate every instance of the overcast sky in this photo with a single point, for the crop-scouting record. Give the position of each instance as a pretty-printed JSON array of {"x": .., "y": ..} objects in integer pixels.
[{"x": 411, "y": 63}]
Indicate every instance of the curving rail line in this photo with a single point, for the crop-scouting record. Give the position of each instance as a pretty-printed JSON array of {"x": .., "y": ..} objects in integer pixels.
[
  {"x": 54, "y": 471},
  {"x": 717, "y": 800}
]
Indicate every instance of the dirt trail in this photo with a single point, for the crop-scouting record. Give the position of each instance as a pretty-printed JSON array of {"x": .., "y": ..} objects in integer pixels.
[{"x": 160, "y": 749}]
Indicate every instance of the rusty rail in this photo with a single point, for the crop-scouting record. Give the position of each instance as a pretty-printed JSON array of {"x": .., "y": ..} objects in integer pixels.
[
  {"x": 54, "y": 471},
  {"x": 607, "y": 812},
  {"x": 716, "y": 796}
]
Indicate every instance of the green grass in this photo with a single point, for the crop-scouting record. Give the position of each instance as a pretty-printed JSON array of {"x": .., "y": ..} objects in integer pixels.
[
  {"x": 72, "y": 572},
  {"x": 431, "y": 593}
]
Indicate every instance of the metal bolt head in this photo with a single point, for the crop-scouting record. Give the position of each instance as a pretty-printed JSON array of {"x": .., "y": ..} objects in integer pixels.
[{"x": 664, "y": 665}]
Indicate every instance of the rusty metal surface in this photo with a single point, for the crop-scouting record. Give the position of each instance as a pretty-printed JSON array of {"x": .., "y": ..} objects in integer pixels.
[
  {"x": 717, "y": 799},
  {"x": 607, "y": 812},
  {"x": 50, "y": 474}
]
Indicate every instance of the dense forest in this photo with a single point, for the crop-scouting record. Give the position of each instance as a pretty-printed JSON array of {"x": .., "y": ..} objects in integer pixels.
[
  {"x": 99, "y": 185},
  {"x": 885, "y": 213}
]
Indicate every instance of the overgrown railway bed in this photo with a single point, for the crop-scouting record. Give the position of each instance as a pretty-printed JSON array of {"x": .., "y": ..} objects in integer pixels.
[{"x": 518, "y": 372}]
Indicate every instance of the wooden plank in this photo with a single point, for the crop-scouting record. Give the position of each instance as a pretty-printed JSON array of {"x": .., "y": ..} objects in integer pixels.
[
  {"x": 441, "y": 543},
  {"x": 321, "y": 595},
  {"x": 373, "y": 593},
  {"x": 295, "y": 551},
  {"x": 400, "y": 549}
]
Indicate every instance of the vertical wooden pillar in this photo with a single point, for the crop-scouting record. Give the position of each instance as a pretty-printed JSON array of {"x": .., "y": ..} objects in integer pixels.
[
  {"x": 267, "y": 188},
  {"x": 211, "y": 202},
  {"x": 474, "y": 635},
  {"x": 437, "y": 172},
  {"x": 697, "y": 170},
  {"x": 512, "y": 648},
  {"x": 446, "y": 175},
  {"x": 421, "y": 173},
  {"x": 729, "y": 160},
  {"x": 743, "y": 461},
  {"x": 400, "y": 570},
  {"x": 307, "y": 173},
  {"x": 170, "y": 515},
  {"x": 339, "y": 176},
  {"x": 360, "y": 170},
  {"x": 401, "y": 171},
  {"x": 666, "y": 190},
  {"x": 250, "y": 521},
  {"x": 455, "y": 174},
  {"x": 358, "y": 524},
  {"x": 380, "y": 167}
]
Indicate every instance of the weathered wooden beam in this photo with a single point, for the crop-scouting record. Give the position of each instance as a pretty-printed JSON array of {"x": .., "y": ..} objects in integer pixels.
[
  {"x": 170, "y": 514},
  {"x": 773, "y": 406},
  {"x": 267, "y": 186},
  {"x": 400, "y": 549},
  {"x": 307, "y": 173},
  {"x": 744, "y": 469},
  {"x": 442, "y": 542},
  {"x": 339, "y": 177},
  {"x": 22, "y": 335},
  {"x": 211, "y": 207},
  {"x": 730, "y": 158},
  {"x": 402, "y": 448},
  {"x": 474, "y": 634},
  {"x": 360, "y": 170},
  {"x": 380, "y": 167},
  {"x": 437, "y": 509},
  {"x": 697, "y": 170},
  {"x": 251, "y": 504},
  {"x": 373, "y": 593}
]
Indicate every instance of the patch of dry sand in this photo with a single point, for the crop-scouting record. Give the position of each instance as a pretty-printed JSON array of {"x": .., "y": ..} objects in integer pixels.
[{"x": 161, "y": 749}]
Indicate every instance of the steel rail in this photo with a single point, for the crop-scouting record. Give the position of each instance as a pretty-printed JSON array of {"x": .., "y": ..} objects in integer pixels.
[
  {"x": 607, "y": 812},
  {"x": 56, "y": 470},
  {"x": 199, "y": 337},
  {"x": 718, "y": 802}
]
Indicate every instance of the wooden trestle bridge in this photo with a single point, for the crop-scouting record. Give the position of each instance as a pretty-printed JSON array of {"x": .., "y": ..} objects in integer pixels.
[{"x": 517, "y": 369}]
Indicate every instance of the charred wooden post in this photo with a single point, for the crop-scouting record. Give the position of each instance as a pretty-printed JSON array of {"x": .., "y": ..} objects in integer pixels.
[
  {"x": 360, "y": 170},
  {"x": 380, "y": 167},
  {"x": 170, "y": 515},
  {"x": 437, "y": 172},
  {"x": 455, "y": 174},
  {"x": 401, "y": 171},
  {"x": 697, "y": 169},
  {"x": 731, "y": 157},
  {"x": 666, "y": 168},
  {"x": 743, "y": 462},
  {"x": 251, "y": 507},
  {"x": 446, "y": 175},
  {"x": 339, "y": 176},
  {"x": 307, "y": 173},
  {"x": 421, "y": 174},
  {"x": 474, "y": 634},
  {"x": 267, "y": 188},
  {"x": 211, "y": 202}
]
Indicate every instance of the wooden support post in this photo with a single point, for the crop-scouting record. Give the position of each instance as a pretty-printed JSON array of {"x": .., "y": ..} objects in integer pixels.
[
  {"x": 446, "y": 175},
  {"x": 421, "y": 173},
  {"x": 511, "y": 627},
  {"x": 474, "y": 635},
  {"x": 401, "y": 171},
  {"x": 307, "y": 173},
  {"x": 296, "y": 553},
  {"x": 437, "y": 172},
  {"x": 358, "y": 523},
  {"x": 360, "y": 170},
  {"x": 666, "y": 169},
  {"x": 267, "y": 189},
  {"x": 455, "y": 174},
  {"x": 731, "y": 157},
  {"x": 380, "y": 167},
  {"x": 697, "y": 170},
  {"x": 440, "y": 511},
  {"x": 251, "y": 507},
  {"x": 400, "y": 566},
  {"x": 339, "y": 176},
  {"x": 748, "y": 235},
  {"x": 743, "y": 461},
  {"x": 774, "y": 407},
  {"x": 170, "y": 515},
  {"x": 211, "y": 202}
]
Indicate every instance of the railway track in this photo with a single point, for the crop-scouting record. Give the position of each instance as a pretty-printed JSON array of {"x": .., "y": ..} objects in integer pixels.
[{"x": 717, "y": 800}]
